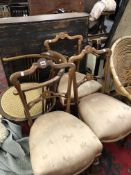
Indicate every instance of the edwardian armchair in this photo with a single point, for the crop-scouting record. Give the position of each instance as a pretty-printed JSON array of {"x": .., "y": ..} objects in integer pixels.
[
  {"x": 109, "y": 118},
  {"x": 120, "y": 64},
  {"x": 59, "y": 142},
  {"x": 10, "y": 104}
]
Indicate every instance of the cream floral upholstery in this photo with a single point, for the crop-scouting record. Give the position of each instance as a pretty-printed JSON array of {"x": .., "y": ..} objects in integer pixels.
[
  {"x": 11, "y": 104},
  {"x": 109, "y": 118},
  {"x": 84, "y": 89},
  {"x": 61, "y": 144}
]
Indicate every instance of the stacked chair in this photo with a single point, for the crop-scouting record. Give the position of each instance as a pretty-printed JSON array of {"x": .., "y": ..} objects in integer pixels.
[
  {"x": 86, "y": 85},
  {"x": 61, "y": 143},
  {"x": 11, "y": 106},
  {"x": 109, "y": 118}
]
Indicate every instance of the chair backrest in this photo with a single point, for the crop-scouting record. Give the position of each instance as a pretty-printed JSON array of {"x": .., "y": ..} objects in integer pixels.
[
  {"x": 48, "y": 88},
  {"x": 66, "y": 42},
  {"x": 106, "y": 52},
  {"x": 120, "y": 64},
  {"x": 22, "y": 62}
]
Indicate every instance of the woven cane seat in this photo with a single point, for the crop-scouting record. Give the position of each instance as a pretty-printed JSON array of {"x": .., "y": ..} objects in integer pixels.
[
  {"x": 120, "y": 64},
  {"x": 84, "y": 89},
  {"x": 11, "y": 105},
  {"x": 109, "y": 118},
  {"x": 61, "y": 144}
]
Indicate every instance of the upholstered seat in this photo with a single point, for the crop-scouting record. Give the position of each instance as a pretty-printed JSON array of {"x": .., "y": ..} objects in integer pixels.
[
  {"x": 11, "y": 103},
  {"x": 86, "y": 88},
  {"x": 61, "y": 144},
  {"x": 109, "y": 118}
]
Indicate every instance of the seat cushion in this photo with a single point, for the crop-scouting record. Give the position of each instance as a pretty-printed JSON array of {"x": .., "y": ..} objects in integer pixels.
[
  {"x": 61, "y": 144},
  {"x": 12, "y": 106},
  {"x": 109, "y": 118},
  {"x": 84, "y": 89}
]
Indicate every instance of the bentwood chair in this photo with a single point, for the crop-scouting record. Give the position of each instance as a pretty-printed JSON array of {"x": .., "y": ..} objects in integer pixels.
[
  {"x": 59, "y": 142},
  {"x": 10, "y": 104},
  {"x": 120, "y": 64},
  {"x": 85, "y": 87},
  {"x": 109, "y": 118}
]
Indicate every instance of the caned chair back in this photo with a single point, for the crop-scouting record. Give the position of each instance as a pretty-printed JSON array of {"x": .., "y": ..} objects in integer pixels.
[{"x": 120, "y": 64}]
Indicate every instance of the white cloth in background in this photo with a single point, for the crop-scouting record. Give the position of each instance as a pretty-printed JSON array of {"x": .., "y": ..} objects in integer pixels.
[{"x": 100, "y": 6}]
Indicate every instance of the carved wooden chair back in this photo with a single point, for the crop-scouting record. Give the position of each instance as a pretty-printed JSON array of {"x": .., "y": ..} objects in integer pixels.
[
  {"x": 106, "y": 55},
  {"x": 48, "y": 93},
  {"x": 70, "y": 45},
  {"x": 22, "y": 62},
  {"x": 86, "y": 84}
]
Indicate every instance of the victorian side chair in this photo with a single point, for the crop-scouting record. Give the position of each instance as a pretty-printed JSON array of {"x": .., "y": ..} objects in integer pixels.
[
  {"x": 109, "y": 118},
  {"x": 59, "y": 142}
]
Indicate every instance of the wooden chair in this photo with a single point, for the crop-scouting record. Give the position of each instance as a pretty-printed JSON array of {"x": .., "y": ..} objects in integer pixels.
[
  {"x": 120, "y": 64},
  {"x": 86, "y": 84},
  {"x": 11, "y": 105},
  {"x": 86, "y": 87},
  {"x": 109, "y": 118},
  {"x": 59, "y": 142}
]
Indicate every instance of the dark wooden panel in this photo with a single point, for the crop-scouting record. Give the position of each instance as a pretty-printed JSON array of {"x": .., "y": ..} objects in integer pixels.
[
  {"x": 27, "y": 37},
  {"x": 4, "y": 1},
  {"x": 51, "y": 6},
  {"x": 12, "y": 1}
]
